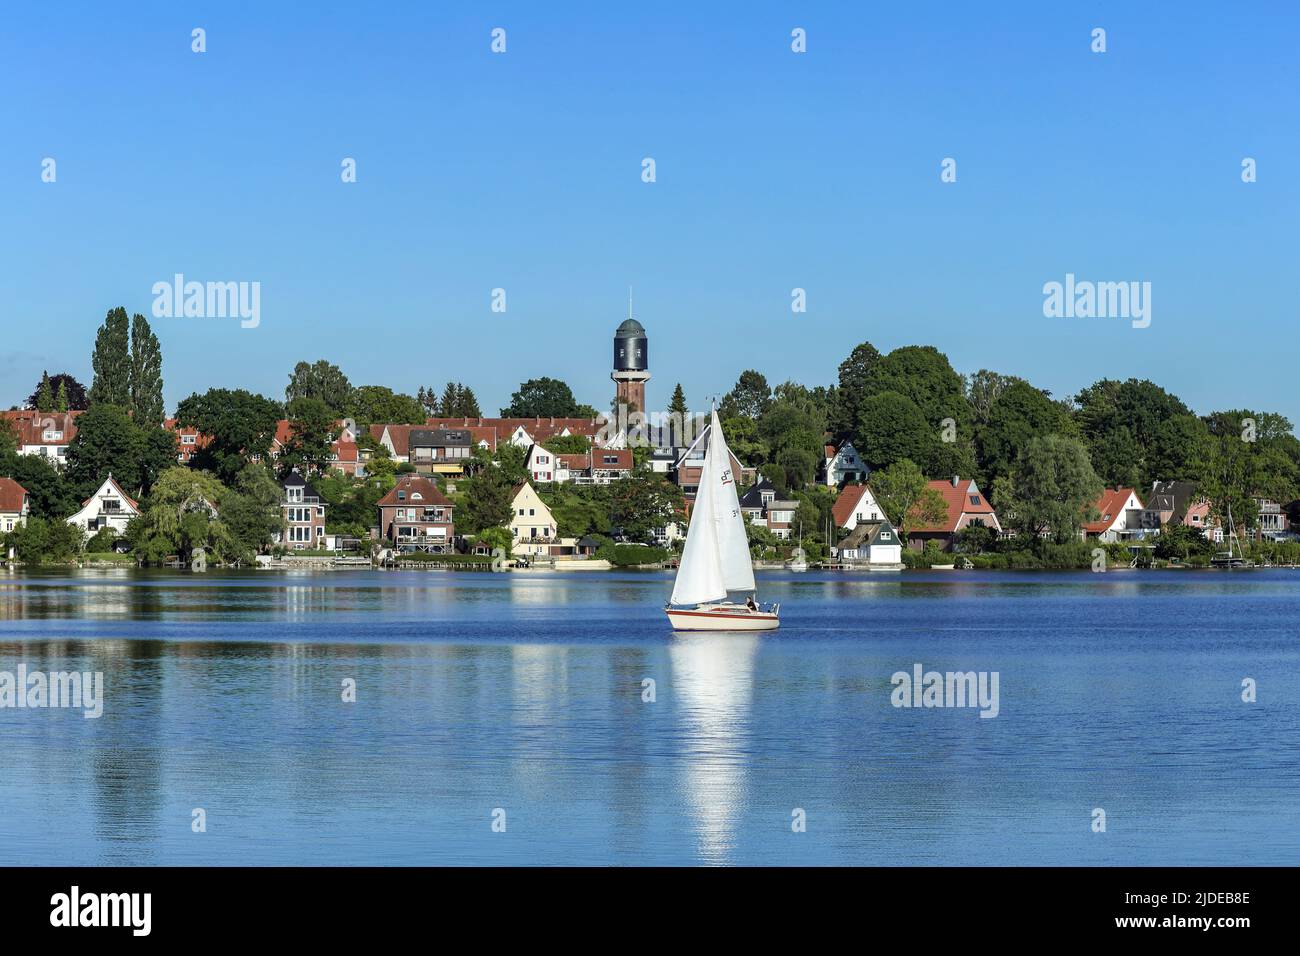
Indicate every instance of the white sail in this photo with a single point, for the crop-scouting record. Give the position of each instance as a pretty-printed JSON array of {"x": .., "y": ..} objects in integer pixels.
[
  {"x": 699, "y": 576},
  {"x": 733, "y": 545}
]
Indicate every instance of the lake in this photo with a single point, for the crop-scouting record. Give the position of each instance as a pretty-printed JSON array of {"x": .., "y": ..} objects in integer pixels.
[{"x": 509, "y": 718}]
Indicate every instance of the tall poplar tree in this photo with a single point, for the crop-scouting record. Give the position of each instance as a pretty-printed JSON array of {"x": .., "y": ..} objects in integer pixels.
[
  {"x": 112, "y": 361},
  {"x": 146, "y": 375}
]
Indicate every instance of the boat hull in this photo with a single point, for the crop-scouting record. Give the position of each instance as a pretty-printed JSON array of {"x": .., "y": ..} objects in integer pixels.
[{"x": 723, "y": 617}]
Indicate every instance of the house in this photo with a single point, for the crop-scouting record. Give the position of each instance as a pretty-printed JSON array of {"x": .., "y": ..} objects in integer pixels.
[
  {"x": 780, "y": 517},
  {"x": 1168, "y": 503},
  {"x": 690, "y": 462},
  {"x": 109, "y": 507},
  {"x": 754, "y": 502},
  {"x": 437, "y": 449},
  {"x": 532, "y": 527},
  {"x": 1198, "y": 516},
  {"x": 966, "y": 506},
  {"x": 46, "y": 434},
  {"x": 524, "y": 431},
  {"x": 416, "y": 516},
  {"x": 1120, "y": 518},
  {"x": 843, "y": 464},
  {"x": 15, "y": 505},
  {"x": 543, "y": 465},
  {"x": 304, "y": 515},
  {"x": 188, "y": 440},
  {"x": 855, "y": 504},
  {"x": 1271, "y": 522},
  {"x": 872, "y": 542}
]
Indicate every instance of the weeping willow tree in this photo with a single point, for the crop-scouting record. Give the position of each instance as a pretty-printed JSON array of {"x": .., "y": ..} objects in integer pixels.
[{"x": 184, "y": 514}]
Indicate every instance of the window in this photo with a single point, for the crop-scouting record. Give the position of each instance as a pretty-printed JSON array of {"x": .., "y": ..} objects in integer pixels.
[
  {"x": 401, "y": 496},
  {"x": 531, "y": 512},
  {"x": 521, "y": 512},
  {"x": 187, "y": 439},
  {"x": 975, "y": 500},
  {"x": 293, "y": 494},
  {"x": 417, "y": 497},
  {"x": 886, "y": 536}
]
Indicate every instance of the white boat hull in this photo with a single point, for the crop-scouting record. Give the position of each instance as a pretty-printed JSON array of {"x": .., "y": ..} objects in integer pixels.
[{"x": 723, "y": 617}]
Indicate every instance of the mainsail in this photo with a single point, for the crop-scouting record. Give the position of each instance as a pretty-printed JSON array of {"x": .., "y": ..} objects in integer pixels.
[{"x": 716, "y": 558}]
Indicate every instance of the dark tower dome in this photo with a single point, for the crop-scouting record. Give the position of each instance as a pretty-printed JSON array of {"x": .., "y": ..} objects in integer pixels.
[{"x": 631, "y": 348}]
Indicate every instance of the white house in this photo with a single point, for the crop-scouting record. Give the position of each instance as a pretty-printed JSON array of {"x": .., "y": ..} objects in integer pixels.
[
  {"x": 843, "y": 464},
  {"x": 109, "y": 507},
  {"x": 543, "y": 465},
  {"x": 532, "y": 527},
  {"x": 855, "y": 504},
  {"x": 1120, "y": 512},
  {"x": 873, "y": 542}
]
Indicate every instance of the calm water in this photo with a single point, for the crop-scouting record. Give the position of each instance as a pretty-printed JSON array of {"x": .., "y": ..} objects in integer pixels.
[{"x": 524, "y": 692}]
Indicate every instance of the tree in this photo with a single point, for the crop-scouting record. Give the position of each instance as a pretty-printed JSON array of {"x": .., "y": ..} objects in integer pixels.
[
  {"x": 1120, "y": 423},
  {"x": 251, "y": 510},
  {"x": 750, "y": 397},
  {"x": 182, "y": 516},
  {"x": 983, "y": 389},
  {"x": 241, "y": 425},
  {"x": 1247, "y": 455},
  {"x": 61, "y": 383},
  {"x": 640, "y": 504},
  {"x": 677, "y": 405},
  {"x": 111, "y": 361},
  {"x": 146, "y": 375},
  {"x": 61, "y": 398},
  {"x": 891, "y": 428},
  {"x": 47, "y": 487},
  {"x": 379, "y": 403},
  {"x": 322, "y": 380},
  {"x": 44, "y": 395},
  {"x": 1053, "y": 489},
  {"x": 313, "y": 430},
  {"x": 922, "y": 373},
  {"x": 1018, "y": 413},
  {"x": 107, "y": 442},
  {"x": 855, "y": 372},
  {"x": 542, "y": 398},
  {"x": 906, "y": 498},
  {"x": 485, "y": 502}
]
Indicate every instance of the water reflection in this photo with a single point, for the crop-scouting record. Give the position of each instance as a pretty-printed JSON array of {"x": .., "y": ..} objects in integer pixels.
[{"x": 713, "y": 678}]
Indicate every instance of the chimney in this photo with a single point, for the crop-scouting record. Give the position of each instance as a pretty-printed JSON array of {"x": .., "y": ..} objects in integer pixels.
[{"x": 956, "y": 480}]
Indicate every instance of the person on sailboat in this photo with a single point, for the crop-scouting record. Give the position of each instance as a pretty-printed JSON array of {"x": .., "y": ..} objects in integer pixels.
[{"x": 749, "y": 603}]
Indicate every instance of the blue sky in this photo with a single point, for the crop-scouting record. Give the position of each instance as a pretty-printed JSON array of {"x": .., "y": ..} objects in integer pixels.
[{"x": 774, "y": 171}]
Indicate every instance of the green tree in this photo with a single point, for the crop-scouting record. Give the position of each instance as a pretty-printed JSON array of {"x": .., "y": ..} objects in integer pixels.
[
  {"x": 855, "y": 372},
  {"x": 922, "y": 373},
  {"x": 1053, "y": 489},
  {"x": 750, "y": 397},
  {"x": 321, "y": 380},
  {"x": 61, "y": 400},
  {"x": 380, "y": 404},
  {"x": 891, "y": 428},
  {"x": 146, "y": 383},
  {"x": 485, "y": 502},
  {"x": 983, "y": 389},
  {"x": 75, "y": 391},
  {"x": 107, "y": 442},
  {"x": 640, "y": 504},
  {"x": 45, "y": 395},
  {"x": 906, "y": 497},
  {"x": 1019, "y": 413},
  {"x": 241, "y": 425},
  {"x": 542, "y": 398},
  {"x": 182, "y": 515},
  {"x": 312, "y": 432},
  {"x": 677, "y": 405},
  {"x": 111, "y": 361},
  {"x": 1121, "y": 423},
  {"x": 49, "y": 495}
]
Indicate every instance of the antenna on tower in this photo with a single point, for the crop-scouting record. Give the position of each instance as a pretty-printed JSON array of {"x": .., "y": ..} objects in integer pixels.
[{"x": 629, "y": 302}]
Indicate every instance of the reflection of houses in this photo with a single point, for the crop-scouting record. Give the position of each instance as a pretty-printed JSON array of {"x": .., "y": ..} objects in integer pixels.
[
  {"x": 14, "y": 504},
  {"x": 416, "y": 516},
  {"x": 46, "y": 434},
  {"x": 966, "y": 506},
  {"x": 843, "y": 464},
  {"x": 303, "y": 512},
  {"x": 1120, "y": 516},
  {"x": 109, "y": 507}
]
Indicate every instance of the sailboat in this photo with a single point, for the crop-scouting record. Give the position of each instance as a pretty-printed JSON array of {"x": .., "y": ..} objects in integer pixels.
[
  {"x": 715, "y": 561},
  {"x": 1226, "y": 559}
]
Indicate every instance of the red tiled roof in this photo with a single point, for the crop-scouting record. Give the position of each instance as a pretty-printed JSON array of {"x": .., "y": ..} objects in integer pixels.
[
  {"x": 842, "y": 510},
  {"x": 346, "y": 451},
  {"x": 624, "y": 456},
  {"x": 30, "y": 425},
  {"x": 414, "y": 484},
  {"x": 12, "y": 496},
  {"x": 577, "y": 462},
  {"x": 539, "y": 428},
  {"x": 1109, "y": 505},
  {"x": 957, "y": 497},
  {"x": 113, "y": 481}
]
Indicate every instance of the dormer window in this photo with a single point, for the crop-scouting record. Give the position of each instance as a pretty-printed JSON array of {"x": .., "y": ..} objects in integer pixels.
[
  {"x": 53, "y": 435},
  {"x": 401, "y": 496},
  {"x": 416, "y": 496}
]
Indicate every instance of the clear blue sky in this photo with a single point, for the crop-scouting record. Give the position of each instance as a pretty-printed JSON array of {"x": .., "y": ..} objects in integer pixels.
[{"x": 775, "y": 170}]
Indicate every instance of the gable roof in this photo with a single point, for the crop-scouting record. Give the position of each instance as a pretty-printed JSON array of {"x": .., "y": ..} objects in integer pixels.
[
  {"x": 411, "y": 485},
  {"x": 1172, "y": 496},
  {"x": 957, "y": 495},
  {"x": 1110, "y": 504},
  {"x": 850, "y": 497},
  {"x": 12, "y": 496},
  {"x": 110, "y": 481},
  {"x": 30, "y": 425},
  {"x": 295, "y": 480},
  {"x": 753, "y": 498},
  {"x": 865, "y": 533}
]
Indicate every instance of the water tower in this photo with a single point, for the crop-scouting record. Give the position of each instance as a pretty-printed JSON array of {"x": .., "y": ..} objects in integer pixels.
[{"x": 631, "y": 364}]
